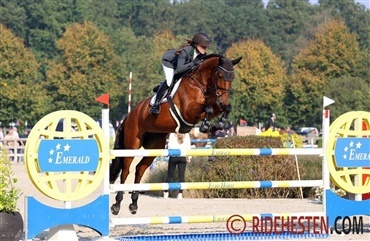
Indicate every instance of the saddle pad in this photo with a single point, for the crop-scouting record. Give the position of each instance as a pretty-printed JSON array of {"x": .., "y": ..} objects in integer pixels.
[{"x": 175, "y": 87}]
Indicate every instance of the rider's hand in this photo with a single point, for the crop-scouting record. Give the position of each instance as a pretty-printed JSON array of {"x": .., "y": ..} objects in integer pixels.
[{"x": 197, "y": 61}]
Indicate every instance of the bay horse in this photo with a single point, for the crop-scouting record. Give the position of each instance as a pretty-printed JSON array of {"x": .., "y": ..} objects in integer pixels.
[{"x": 203, "y": 94}]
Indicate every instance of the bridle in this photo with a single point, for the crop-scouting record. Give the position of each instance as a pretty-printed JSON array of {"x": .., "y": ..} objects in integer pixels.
[{"x": 228, "y": 76}]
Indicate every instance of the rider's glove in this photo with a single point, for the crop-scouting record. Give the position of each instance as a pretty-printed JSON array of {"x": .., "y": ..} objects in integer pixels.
[{"x": 197, "y": 61}]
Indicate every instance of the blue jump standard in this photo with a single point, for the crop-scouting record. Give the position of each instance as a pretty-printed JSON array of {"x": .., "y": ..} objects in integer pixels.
[
  {"x": 221, "y": 236},
  {"x": 94, "y": 215}
]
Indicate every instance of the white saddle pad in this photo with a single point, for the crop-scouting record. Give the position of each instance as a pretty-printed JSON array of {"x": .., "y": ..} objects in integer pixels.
[{"x": 172, "y": 93}]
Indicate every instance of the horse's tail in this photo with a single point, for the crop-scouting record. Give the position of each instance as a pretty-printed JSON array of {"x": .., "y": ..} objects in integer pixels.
[{"x": 117, "y": 163}]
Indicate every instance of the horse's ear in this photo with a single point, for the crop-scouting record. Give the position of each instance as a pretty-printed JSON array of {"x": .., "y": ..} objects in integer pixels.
[{"x": 235, "y": 61}]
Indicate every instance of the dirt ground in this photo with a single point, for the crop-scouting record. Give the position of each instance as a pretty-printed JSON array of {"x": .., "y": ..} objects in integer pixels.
[{"x": 150, "y": 206}]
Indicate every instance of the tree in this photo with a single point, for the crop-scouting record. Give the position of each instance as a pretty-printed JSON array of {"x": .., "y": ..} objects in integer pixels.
[
  {"x": 14, "y": 17},
  {"x": 258, "y": 88},
  {"x": 21, "y": 95},
  {"x": 332, "y": 53},
  {"x": 287, "y": 22},
  {"x": 349, "y": 93},
  {"x": 355, "y": 15},
  {"x": 88, "y": 68}
]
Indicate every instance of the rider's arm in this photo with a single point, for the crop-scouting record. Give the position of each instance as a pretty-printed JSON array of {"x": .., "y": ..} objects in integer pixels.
[{"x": 184, "y": 62}]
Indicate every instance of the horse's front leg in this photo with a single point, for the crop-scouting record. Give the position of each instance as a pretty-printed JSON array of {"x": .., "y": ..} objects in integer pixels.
[
  {"x": 221, "y": 123},
  {"x": 140, "y": 170},
  {"x": 205, "y": 127}
]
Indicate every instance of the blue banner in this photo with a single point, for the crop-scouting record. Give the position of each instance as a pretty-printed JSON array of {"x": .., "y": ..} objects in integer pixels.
[
  {"x": 63, "y": 155},
  {"x": 352, "y": 152}
]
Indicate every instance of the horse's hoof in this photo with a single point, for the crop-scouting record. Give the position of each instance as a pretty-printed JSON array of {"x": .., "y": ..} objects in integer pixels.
[
  {"x": 132, "y": 208},
  {"x": 114, "y": 209},
  {"x": 204, "y": 128}
]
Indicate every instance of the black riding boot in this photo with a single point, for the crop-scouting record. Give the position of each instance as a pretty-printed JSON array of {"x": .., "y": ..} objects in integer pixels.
[{"x": 156, "y": 108}]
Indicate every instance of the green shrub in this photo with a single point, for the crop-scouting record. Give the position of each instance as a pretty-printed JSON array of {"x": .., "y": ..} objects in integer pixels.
[
  {"x": 312, "y": 166},
  {"x": 240, "y": 168},
  {"x": 9, "y": 194},
  {"x": 319, "y": 143}
]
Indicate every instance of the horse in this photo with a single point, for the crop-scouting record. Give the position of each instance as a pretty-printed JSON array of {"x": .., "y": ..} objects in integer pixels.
[{"x": 202, "y": 94}]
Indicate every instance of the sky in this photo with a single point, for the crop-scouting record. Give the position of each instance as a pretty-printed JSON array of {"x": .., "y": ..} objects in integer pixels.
[{"x": 366, "y": 3}]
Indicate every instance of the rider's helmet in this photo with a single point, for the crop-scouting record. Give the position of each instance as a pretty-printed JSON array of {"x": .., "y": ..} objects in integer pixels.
[{"x": 202, "y": 39}]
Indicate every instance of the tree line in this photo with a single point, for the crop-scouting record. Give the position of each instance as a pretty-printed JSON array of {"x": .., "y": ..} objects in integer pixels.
[{"x": 63, "y": 54}]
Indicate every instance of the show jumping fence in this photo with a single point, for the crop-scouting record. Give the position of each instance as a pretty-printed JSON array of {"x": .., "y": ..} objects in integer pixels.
[
  {"x": 332, "y": 206},
  {"x": 324, "y": 183},
  {"x": 211, "y": 185}
]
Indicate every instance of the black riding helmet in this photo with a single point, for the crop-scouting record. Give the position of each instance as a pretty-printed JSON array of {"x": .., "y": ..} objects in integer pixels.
[{"x": 202, "y": 39}]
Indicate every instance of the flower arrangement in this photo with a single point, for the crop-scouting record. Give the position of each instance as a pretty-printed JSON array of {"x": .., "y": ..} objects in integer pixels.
[
  {"x": 319, "y": 191},
  {"x": 9, "y": 194}
]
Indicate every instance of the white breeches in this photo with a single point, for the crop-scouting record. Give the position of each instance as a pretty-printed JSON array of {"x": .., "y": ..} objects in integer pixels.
[{"x": 168, "y": 74}]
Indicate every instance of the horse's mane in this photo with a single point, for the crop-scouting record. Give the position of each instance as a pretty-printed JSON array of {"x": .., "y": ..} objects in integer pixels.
[
  {"x": 205, "y": 57},
  {"x": 208, "y": 56}
]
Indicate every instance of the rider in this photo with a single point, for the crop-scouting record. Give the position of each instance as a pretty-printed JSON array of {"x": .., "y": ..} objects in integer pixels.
[{"x": 179, "y": 62}]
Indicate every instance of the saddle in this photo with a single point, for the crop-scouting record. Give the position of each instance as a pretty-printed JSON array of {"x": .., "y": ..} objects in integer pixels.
[{"x": 182, "y": 125}]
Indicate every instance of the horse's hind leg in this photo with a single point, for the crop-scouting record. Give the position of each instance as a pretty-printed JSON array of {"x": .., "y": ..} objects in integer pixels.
[
  {"x": 115, "y": 208},
  {"x": 140, "y": 170},
  {"x": 153, "y": 141}
]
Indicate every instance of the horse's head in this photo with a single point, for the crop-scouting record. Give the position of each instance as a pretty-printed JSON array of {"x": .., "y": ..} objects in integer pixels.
[{"x": 220, "y": 79}]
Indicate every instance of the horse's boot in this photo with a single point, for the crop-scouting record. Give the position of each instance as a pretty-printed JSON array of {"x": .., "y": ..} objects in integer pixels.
[{"x": 156, "y": 107}]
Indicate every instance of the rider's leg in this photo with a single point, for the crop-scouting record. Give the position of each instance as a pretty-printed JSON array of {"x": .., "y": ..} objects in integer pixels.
[
  {"x": 169, "y": 73},
  {"x": 155, "y": 108}
]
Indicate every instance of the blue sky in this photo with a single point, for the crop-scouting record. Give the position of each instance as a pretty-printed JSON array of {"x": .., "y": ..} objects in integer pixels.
[{"x": 366, "y": 3}]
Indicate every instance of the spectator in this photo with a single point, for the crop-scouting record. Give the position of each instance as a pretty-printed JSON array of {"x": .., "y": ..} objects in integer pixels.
[
  {"x": 1, "y": 137},
  {"x": 231, "y": 132},
  {"x": 177, "y": 141},
  {"x": 231, "y": 129},
  {"x": 16, "y": 132},
  {"x": 11, "y": 140},
  {"x": 220, "y": 133},
  {"x": 242, "y": 122},
  {"x": 289, "y": 131},
  {"x": 23, "y": 143},
  {"x": 272, "y": 122},
  {"x": 116, "y": 125}
]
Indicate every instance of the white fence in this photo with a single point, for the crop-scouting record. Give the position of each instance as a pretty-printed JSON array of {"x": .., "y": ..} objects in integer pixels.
[{"x": 14, "y": 148}]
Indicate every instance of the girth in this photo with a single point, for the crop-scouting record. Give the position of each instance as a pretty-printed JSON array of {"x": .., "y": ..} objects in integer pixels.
[{"x": 182, "y": 125}]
